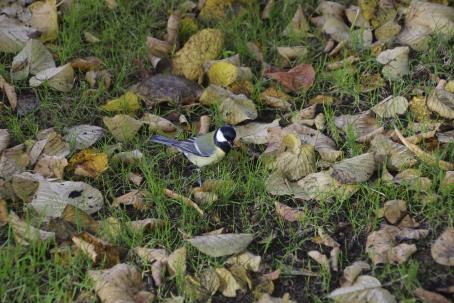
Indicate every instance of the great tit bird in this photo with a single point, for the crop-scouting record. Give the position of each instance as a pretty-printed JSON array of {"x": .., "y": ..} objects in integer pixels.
[{"x": 204, "y": 150}]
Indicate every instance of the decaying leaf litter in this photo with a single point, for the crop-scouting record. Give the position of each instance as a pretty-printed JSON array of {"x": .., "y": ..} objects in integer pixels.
[{"x": 321, "y": 148}]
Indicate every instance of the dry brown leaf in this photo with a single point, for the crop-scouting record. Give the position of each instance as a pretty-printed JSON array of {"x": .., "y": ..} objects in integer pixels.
[
  {"x": 54, "y": 144},
  {"x": 255, "y": 133},
  {"x": 237, "y": 108},
  {"x": 89, "y": 163},
  {"x": 60, "y": 78},
  {"x": 247, "y": 260},
  {"x": 298, "y": 25},
  {"x": 4, "y": 139},
  {"x": 51, "y": 166},
  {"x": 188, "y": 202},
  {"x": 14, "y": 34},
  {"x": 141, "y": 226},
  {"x": 288, "y": 213},
  {"x": 300, "y": 77},
  {"x": 442, "y": 102},
  {"x": 3, "y": 213},
  {"x": 394, "y": 210},
  {"x": 158, "y": 124},
  {"x": 322, "y": 185},
  {"x": 275, "y": 98},
  {"x": 289, "y": 53},
  {"x": 352, "y": 271},
  {"x": 325, "y": 239},
  {"x": 266, "y": 298},
  {"x": 334, "y": 258},
  {"x": 128, "y": 157},
  {"x": 394, "y": 155},
  {"x": 429, "y": 296},
  {"x": 365, "y": 289},
  {"x": 424, "y": 156},
  {"x": 134, "y": 198},
  {"x": 355, "y": 170},
  {"x": 122, "y": 127},
  {"x": 111, "y": 4},
  {"x": 203, "y": 197},
  {"x": 79, "y": 218},
  {"x": 10, "y": 92},
  {"x": 266, "y": 12},
  {"x": 86, "y": 64},
  {"x": 362, "y": 125},
  {"x": 443, "y": 248},
  {"x": 176, "y": 262},
  {"x": 228, "y": 285},
  {"x": 391, "y": 106},
  {"x": 45, "y": 19},
  {"x": 221, "y": 245},
  {"x": 91, "y": 38},
  {"x": 319, "y": 258},
  {"x": 135, "y": 178},
  {"x": 295, "y": 160},
  {"x": 13, "y": 160},
  {"x": 121, "y": 283},
  {"x": 99, "y": 251},
  {"x": 446, "y": 137}
]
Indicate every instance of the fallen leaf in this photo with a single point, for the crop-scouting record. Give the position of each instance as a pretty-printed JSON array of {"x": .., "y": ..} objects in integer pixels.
[
  {"x": 4, "y": 139},
  {"x": 395, "y": 61},
  {"x": 9, "y": 91},
  {"x": 89, "y": 163},
  {"x": 365, "y": 289},
  {"x": 221, "y": 245},
  {"x": 134, "y": 198},
  {"x": 391, "y": 107},
  {"x": 84, "y": 135},
  {"x": 288, "y": 213},
  {"x": 247, "y": 260},
  {"x": 228, "y": 285},
  {"x": 86, "y": 64},
  {"x": 13, "y": 160},
  {"x": 387, "y": 31},
  {"x": 296, "y": 160},
  {"x": 255, "y": 132},
  {"x": 99, "y": 251},
  {"x": 224, "y": 73},
  {"x": 325, "y": 239},
  {"x": 152, "y": 254},
  {"x": 422, "y": 20},
  {"x": 91, "y": 38},
  {"x": 322, "y": 185},
  {"x": 363, "y": 125},
  {"x": 319, "y": 258},
  {"x": 266, "y": 298},
  {"x": 121, "y": 283},
  {"x": 166, "y": 89},
  {"x": 446, "y": 137},
  {"x": 188, "y": 202},
  {"x": 443, "y": 248},
  {"x": 298, "y": 25},
  {"x": 352, "y": 271},
  {"x": 237, "y": 108},
  {"x": 442, "y": 102},
  {"x": 45, "y": 19},
  {"x": 122, "y": 127},
  {"x": 54, "y": 145},
  {"x": 300, "y": 77},
  {"x": 79, "y": 218},
  {"x": 25, "y": 234},
  {"x": 424, "y": 156},
  {"x": 60, "y": 78},
  {"x": 135, "y": 178},
  {"x": 275, "y": 98},
  {"x": 334, "y": 258},
  {"x": 289, "y": 53},
  {"x": 101, "y": 78},
  {"x": 32, "y": 59},
  {"x": 144, "y": 225},
  {"x": 128, "y": 157},
  {"x": 51, "y": 166},
  {"x": 394, "y": 155},
  {"x": 202, "y": 46},
  {"x": 176, "y": 262},
  {"x": 158, "y": 124},
  {"x": 429, "y": 296},
  {"x": 394, "y": 210},
  {"x": 14, "y": 35},
  {"x": 209, "y": 281},
  {"x": 129, "y": 102},
  {"x": 354, "y": 170},
  {"x": 3, "y": 213}
]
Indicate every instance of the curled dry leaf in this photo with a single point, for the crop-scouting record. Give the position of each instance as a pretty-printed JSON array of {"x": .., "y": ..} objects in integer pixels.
[
  {"x": 394, "y": 210},
  {"x": 79, "y": 218},
  {"x": 54, "y": 145},
  {"x": 298, "y": 25},
  {"x": 391, "y": 106},
  {"x": 144, "y": 225},
  {"x": 296, "y": 160},
  {"x": 129, "y": 102},
  {"x": 228, "y": 285},
  {"x": 99, "y": 251},
  {"x": 122, "y": 127},
  {"x": 424, "y": 156},
  {"x": 319, "y": 258},
  {"x": 424, "y": 19},
  {"x": 51, "y": 166},
  {"x": 300, "y": 77},
  {"x": 322, "y": 185},
  {"x": 247, "y": 260},
  {"x": 9, "y": 91},
  {"x": 355, "y": 170},
  {"x": 89, "y": 163},
  {"x": 442, "y": 102},
  {"x": 365, "y": 289},
  {"x": 429, "y": 296},
  {"x": 325, "y": 239},
  {"x": 394, "y": 155},
  {"x": 289, "y": 53},
  {"x": 25, "y": 233},
  {"x": 158, "y": 124},
  {"x": 443, "y": 248},
  {"x": 84, "y": 135},
  {"x": 86, "y": 64},
  {"x": 364, "y": 125},
  {"x": 121, "y": 283},
  {"x": 255, "y": 132},
  {"x": 203, "y": 46},
  {"x": 395, "y": 61},
  {"x": 32, "y": 59},
  {"x": 134, "y": 198},
  {"x": 166, "y": 88},
  {"x": 222, "y": 245},
  {"x": 3, "y": 213},
  {"x": 60, "y": 78},
  {"x": 14, "y": 34},
  {"x": 352, "y": 271},
  {"x": 44, "y": 18},
  {"x": 334, "y": 258},
  {"x": 128, "y": 157},
  {"x": 188, "y": 202},
  {"x": 4, "y": 139},
  {"x": 176, "y": 262},
  {"x": 13, "y": 160},
  {"x": 266, "y": 298},
  {"x": 91, "y": 38},
  {"x": 288, "y": 213},
  {"x": 275, "y": 98}
]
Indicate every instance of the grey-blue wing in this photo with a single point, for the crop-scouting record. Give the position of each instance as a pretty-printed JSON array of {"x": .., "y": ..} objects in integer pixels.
[{"x": 200, "y": 146}]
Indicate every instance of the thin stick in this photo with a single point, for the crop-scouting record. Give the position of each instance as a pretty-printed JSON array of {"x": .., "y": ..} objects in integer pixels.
[{"x": 173, "y": 195}]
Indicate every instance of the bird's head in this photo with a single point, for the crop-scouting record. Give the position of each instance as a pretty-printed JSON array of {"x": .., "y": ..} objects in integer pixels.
[{"x": 224, "y": 137}]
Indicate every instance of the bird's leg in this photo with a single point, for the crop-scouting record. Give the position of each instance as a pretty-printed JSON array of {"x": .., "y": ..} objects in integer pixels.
[{"x": 199, "y": 173}]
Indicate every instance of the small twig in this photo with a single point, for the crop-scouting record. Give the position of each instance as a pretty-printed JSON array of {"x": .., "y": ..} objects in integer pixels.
[
  {"x": 173, "y": 195},
  {"x": 337, "y": 49},
  {"x": 205, "y": 122}
]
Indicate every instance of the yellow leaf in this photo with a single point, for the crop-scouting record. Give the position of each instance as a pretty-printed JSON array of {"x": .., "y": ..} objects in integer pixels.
[
  {"x": 89, "y": 163},
  {"x": 44, "y": 18},
  {"x": 129, "y": 102}
]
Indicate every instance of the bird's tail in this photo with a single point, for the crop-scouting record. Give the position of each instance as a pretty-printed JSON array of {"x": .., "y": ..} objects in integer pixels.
[{"x": 163, "y": 140}]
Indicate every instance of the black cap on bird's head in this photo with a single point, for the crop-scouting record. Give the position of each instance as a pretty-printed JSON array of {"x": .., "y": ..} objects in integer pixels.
[{"x": 224, "y": 137}]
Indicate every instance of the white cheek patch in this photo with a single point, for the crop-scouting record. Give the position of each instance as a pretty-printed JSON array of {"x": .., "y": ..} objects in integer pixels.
[{"x": 220, "y": 137}]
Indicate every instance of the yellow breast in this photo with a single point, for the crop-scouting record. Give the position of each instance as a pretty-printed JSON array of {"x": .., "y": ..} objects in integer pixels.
[{"x": 204, "y": 161}]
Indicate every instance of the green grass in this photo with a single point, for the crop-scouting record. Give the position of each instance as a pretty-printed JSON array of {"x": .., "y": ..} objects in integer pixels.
[{"x": 29, "y": 274}]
